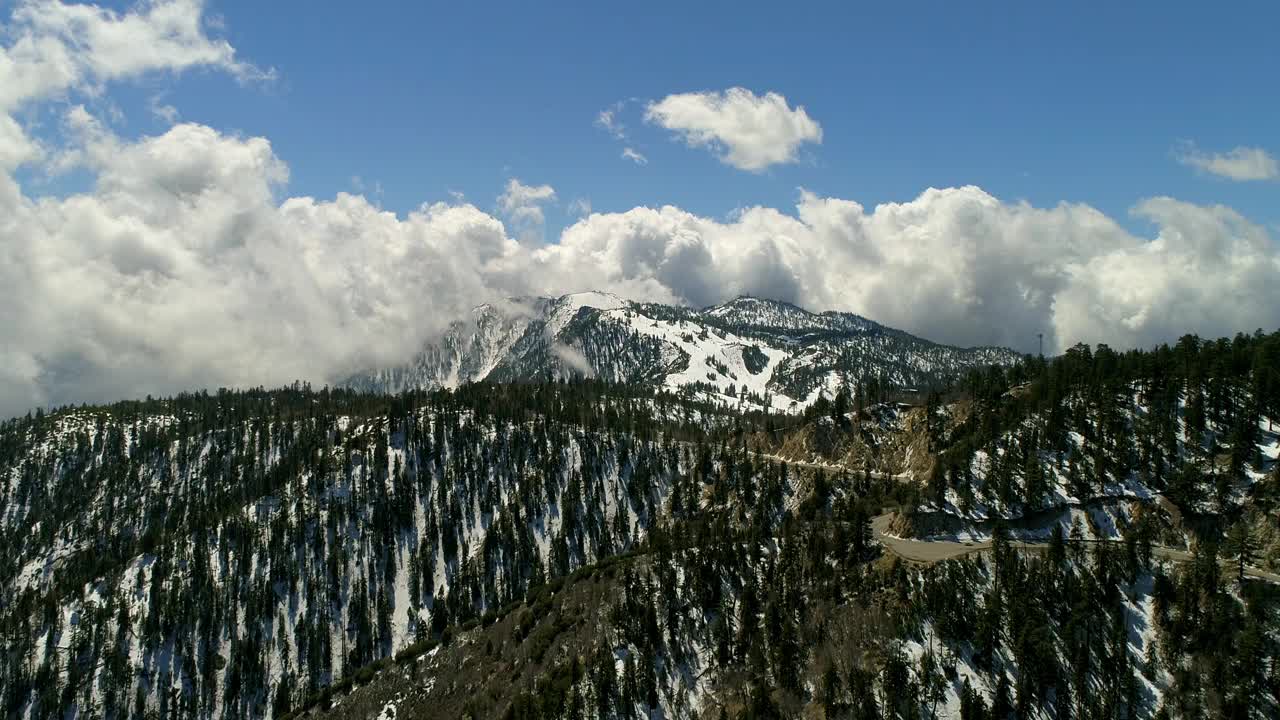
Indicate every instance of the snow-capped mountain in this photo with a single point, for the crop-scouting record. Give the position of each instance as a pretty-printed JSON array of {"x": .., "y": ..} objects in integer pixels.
[{"x": 768, "y": 353}]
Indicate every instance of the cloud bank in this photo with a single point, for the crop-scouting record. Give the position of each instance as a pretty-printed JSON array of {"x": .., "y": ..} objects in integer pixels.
[
  {"x": 744, "y": 130},
  {"x": 187, "y": 265},
  {"x": 955, "y": 265}
]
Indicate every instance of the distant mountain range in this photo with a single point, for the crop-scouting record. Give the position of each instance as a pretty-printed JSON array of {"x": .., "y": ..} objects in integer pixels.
[{"x": 762, "y": 352}]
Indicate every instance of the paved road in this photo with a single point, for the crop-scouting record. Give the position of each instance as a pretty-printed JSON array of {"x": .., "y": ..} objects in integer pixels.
[
  {"x": 927, "y": 551},
  {"x": 931, "y": 551},
  {"x": 828, "y": 467}
]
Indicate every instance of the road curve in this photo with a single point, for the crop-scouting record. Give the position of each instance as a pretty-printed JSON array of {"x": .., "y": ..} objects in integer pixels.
[{"x": 931, "y": 551}]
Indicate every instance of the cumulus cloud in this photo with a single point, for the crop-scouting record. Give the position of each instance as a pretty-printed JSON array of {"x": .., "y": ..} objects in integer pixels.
[
  {"x": 955, "y": 265},
  {"x": 180, "y": 270},
  {"x": 16, "y": 148},
  {"x": 1240, "y": 164},
  {"x": 54, "y": 48},
  {"x": 187, "y": 265},
  {"x": 58, "y": 46},
  {"x": 1208, "y": 270},
  {"x": 522, "y": 205},
  {"x": 635, "y": 157},
  {"x": 744, "y": 130}
]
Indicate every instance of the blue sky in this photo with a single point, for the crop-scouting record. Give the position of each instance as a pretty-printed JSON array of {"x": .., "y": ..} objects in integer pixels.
[
  {"x": 1084, "y": 102},
  {"x": 195, "y": 193}
]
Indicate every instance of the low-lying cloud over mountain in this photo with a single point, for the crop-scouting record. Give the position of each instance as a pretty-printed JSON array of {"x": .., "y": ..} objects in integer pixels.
[{"x": 186, "y": 263}]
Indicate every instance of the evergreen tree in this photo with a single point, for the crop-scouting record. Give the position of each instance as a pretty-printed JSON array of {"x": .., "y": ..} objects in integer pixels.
[{"x": 1241, "y": 545}]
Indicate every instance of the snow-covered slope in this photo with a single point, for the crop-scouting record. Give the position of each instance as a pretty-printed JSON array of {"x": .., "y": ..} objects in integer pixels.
[
  {"x": 760, "y": 352},
  {"x": 226, "y": 556}
]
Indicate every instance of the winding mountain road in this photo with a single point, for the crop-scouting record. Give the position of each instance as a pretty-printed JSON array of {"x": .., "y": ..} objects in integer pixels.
[{"x": 931, "y": 551}]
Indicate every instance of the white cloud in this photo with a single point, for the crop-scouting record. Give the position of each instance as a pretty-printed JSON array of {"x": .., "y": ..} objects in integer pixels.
[
  {"x": 633, "y": 156},
  {"x": 956, "y": 265},
  {"x": 59, "y": 46},
  {"x": 608, "y": 120},
  {"x": 522, "y": 206},
  {"x": 524, "y": 203},
  {"x": 180, "y": 270},
  {"x": 1208, "y": 271},
  {"x": 574, "y": 358},
  {"x": 162, "y": 110},
  {"x": 54, "y": 48},
  {"x": 180, "y": 267},
  {"x": 16, "y": 147},
  {"x": 580, "y": 207},
  {"x": 1240, "y": 164},
  {"x": 745, "y": 130}
]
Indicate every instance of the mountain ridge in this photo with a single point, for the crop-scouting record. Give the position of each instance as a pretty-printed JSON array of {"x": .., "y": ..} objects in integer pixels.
[{"x": 764, "y": 353}]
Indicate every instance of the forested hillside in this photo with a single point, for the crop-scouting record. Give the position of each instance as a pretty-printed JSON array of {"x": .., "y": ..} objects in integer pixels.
[
  {"x": 591, "y": 549},
  {"x": 1189, "y": 430},
  {"x": 801, "y": 622},
  {"x": 221, "y": 554},
  {"x": 1188, "y": 433}
]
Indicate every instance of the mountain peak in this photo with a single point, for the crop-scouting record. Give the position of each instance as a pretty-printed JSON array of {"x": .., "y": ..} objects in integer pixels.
[
  {"x": 781, "y": 356},
  {"x": 751, "y": 311},
  {"x": 751, "y": 301},
  {"x": 592, "y": 298}
]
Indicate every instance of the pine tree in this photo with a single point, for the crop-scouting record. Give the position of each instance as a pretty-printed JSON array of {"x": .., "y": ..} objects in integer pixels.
[
  {"x": 832, "y": 691},
  {"x": 1001, "y": 707},
  {"x": 1242, "y": 545},
  {"x": 1057, "y": 547},
  {"x": 972, "y": 706}
]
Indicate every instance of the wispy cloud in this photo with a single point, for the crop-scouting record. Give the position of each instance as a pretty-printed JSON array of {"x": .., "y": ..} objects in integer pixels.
[
  {"x": 634, "y": 156},
  {"x": 1240, "y": 164},
  {"x": 161, "y": 109},
  {"x": 609, "y": 122}
]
